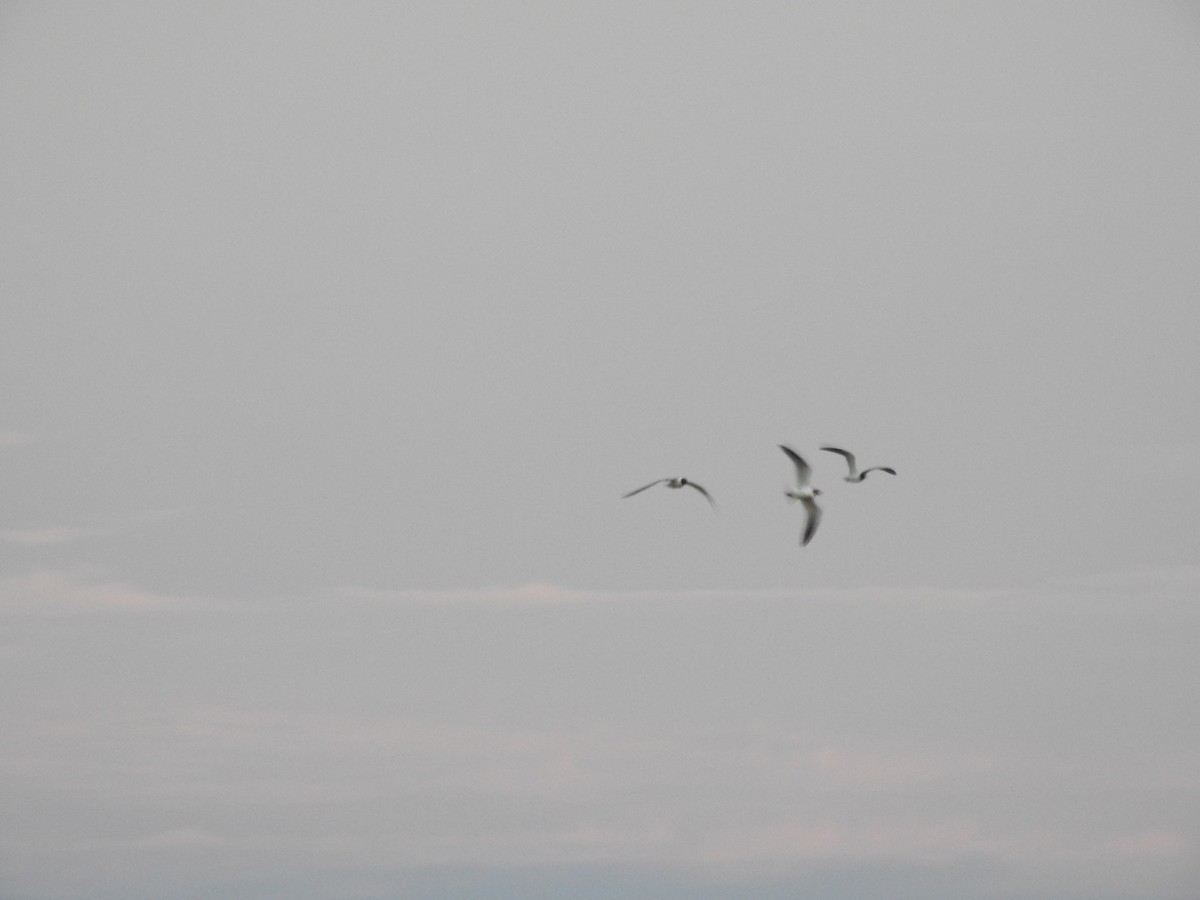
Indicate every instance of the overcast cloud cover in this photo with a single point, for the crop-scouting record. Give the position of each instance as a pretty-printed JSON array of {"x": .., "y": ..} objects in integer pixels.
[{"x": 333, "y": 334}]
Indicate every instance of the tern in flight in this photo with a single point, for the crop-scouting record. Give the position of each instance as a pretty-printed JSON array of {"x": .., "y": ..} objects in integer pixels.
[
  {"x": 804, "y": 493},
  {"x": 856, "y": 476},
  {"x": 674, "y": 483}
]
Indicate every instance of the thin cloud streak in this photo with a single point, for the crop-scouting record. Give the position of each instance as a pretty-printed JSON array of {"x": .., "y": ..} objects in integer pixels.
[
  {"x": 549, "y": 594},
  {"x": 38, "y": 537},
  {"x": 57, "y": 593},
  {"x": 16, "y": 438}
]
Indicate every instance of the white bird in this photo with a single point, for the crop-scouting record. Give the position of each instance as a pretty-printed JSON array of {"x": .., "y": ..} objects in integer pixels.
[
  {"x": 856, "y": 476},
  {"x": 675, "y": 483},
  {"x": 804, "y": 493}
]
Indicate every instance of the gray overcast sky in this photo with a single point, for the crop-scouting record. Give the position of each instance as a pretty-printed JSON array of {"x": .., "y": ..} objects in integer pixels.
[{"x": 332, "y": 335}]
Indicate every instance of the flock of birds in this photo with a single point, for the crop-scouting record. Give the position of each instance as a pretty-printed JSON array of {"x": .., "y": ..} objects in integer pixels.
[{"x": 804, "y": 492}]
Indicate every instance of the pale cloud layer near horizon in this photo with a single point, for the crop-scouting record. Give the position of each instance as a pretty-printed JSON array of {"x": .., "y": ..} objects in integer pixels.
[
  {"x": 836, "y": 743},
  {"x": 333, "y": 335}
]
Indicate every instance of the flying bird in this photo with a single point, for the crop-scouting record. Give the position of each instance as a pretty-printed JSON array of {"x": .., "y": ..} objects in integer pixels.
[
  {"x": 856, "y": 476},
  {"x": 804, "y": 493},
  {"x": 675, "y": 483}
]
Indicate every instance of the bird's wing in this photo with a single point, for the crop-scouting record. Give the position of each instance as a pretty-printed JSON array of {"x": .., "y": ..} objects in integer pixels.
[
  {"x": 887, "y": 469},
  {"x": 639, "y": 490},
  {"x": 849, "y": 458},
  {"x": 814, "y": 518},
  {"x": 707, "y": 495},
  {"x": 803, "y": 472}
]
